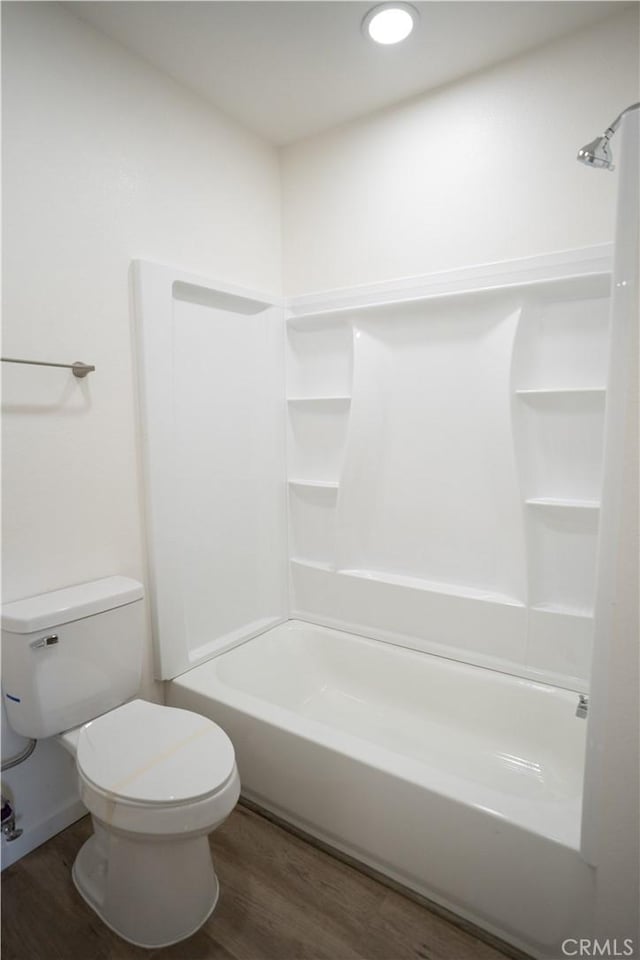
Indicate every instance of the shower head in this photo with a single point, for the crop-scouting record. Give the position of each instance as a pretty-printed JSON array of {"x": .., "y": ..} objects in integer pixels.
[{"x": 597, "y": 153}]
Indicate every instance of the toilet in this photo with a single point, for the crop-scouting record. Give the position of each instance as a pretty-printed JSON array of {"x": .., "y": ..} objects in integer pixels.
[{"x": 156, "y": 780}]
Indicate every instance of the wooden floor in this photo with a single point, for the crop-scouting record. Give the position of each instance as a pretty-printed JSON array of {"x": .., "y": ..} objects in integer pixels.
[{"x": 281, "y": 899}]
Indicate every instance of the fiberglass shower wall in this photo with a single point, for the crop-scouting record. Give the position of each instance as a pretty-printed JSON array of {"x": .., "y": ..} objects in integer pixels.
[
  {"x": 445, "y": 464},
  {"x": 211, "y": 366}
]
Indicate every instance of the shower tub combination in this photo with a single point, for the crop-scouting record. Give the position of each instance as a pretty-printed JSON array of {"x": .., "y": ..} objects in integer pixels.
[
  {"x": 445, "y": 777},
  {"x": 392, "y": 624},
  {"x": 390, "y": 606}
]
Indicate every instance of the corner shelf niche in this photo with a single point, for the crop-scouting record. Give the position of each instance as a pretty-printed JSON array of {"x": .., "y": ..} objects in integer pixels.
[
  {"x": 559, "y": 398},
  {"x": 312, "y": 512},
  {"x": 562, "y": 432},
  {"x": 315, "y": 484},
  {"x": 563, "y": 557},
  {"x": 579, "y": 613},
  {"x": 563, "y": 504},
  {"x": 337, "y": 400},
  {"x": 312, "y": 564},
  {"x": 316, "y": 438},
  {"x": 542, "y": 392},
  {"x": 319, "y": 361},
  {"x": 319, "y": 375}
]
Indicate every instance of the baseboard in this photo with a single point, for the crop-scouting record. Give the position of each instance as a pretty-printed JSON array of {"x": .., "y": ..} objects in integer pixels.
[{"x": 14, "y": 850}]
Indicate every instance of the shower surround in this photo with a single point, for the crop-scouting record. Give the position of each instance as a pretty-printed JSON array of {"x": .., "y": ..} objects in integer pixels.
[
  {"x": 445, "y": 462},
  {"x": 373, "y": 519}
]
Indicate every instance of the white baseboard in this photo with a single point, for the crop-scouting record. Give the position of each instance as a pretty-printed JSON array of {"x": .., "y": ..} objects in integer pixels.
[{"x": 13, "y": 850}]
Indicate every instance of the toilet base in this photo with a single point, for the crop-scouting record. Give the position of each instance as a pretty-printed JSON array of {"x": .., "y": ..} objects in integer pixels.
[{"x": 150, "y": 891}]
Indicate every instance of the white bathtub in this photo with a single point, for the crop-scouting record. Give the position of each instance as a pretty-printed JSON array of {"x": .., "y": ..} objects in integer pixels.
[{"x": 461, "y": 783}]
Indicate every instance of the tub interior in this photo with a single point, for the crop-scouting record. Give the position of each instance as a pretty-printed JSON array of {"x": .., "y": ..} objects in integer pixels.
[{"x": 509, "y": 745}]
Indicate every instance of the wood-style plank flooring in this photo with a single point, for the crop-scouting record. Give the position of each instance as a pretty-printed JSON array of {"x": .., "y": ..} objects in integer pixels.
[{"x": 281, "y": 899}]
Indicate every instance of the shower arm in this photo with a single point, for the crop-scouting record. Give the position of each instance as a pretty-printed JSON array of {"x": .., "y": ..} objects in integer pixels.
[{"x": 611, "y": 129}]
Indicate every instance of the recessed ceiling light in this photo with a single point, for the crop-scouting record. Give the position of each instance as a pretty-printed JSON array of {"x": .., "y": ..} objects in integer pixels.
[{"x": 390, "y": 22}]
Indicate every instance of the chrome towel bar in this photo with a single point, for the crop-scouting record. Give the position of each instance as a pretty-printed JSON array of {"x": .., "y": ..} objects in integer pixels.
[{"x": 79, "y": 369}]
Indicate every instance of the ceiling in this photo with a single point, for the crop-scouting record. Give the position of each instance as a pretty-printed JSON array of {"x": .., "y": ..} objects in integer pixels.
[{"x": 291, "y": 69}]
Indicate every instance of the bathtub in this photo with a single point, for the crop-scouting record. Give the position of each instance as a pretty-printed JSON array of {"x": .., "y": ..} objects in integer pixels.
[{"x": 460, "y": 783}]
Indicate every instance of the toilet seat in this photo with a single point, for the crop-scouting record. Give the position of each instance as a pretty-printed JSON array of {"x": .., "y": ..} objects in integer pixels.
[{"x": 147, "y": 768}]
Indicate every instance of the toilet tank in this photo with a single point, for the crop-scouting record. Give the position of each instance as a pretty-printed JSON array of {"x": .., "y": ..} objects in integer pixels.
[{"x": 71, "y": 655}]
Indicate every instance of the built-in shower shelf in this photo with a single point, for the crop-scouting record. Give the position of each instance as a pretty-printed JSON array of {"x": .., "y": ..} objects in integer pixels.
[
  {"x": 320, "y": 400},
  {"x": 534, "y": 392},
  {"x": 316, "y": 484},
  {"x": 563, "y": 503},
  {"x": 412, "y": 583},
  {"x": 313, "y": 564},
  {"x": 567, "y": 611},
  {"x": 431, "y": 586}
]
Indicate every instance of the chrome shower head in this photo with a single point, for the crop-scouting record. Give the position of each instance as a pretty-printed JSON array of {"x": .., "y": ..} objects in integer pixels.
[{"x": 597, "y": 153}]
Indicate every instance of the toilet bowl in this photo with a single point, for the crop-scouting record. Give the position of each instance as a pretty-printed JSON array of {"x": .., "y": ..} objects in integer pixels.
[{"x": 156, "y": 780}]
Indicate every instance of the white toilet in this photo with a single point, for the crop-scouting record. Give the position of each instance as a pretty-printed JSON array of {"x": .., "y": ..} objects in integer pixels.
[{"x": 156, "y": 780}]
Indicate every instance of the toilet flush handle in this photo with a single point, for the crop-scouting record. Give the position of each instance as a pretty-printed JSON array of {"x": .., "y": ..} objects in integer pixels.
[{"x": 45, "y": 641}]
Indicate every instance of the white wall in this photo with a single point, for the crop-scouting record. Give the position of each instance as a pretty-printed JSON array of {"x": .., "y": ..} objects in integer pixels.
[
  {"x": 105, "y": 160},
  {"x": 479, "y": 171}
]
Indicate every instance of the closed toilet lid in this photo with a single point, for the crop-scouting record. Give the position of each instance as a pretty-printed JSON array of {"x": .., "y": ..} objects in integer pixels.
[{"x": 148, "y": 753}]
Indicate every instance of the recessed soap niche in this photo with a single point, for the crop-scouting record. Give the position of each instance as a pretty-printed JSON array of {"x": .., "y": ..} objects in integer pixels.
[
  {"x": 312, "y": 513},
  {"x": 559, "y": 375},
  {"x": 319, "y": 360},
  {"x": 554, "y": 376},
  {"x": 563, "y": 541},
  {"x": 563, "y": 433},
  {"x": 563, "y": 344},
  {"x": 317, "y": 436}
]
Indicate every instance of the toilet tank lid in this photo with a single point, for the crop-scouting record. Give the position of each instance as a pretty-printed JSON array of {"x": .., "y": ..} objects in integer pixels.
[{"x": 71, "y": 603}]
